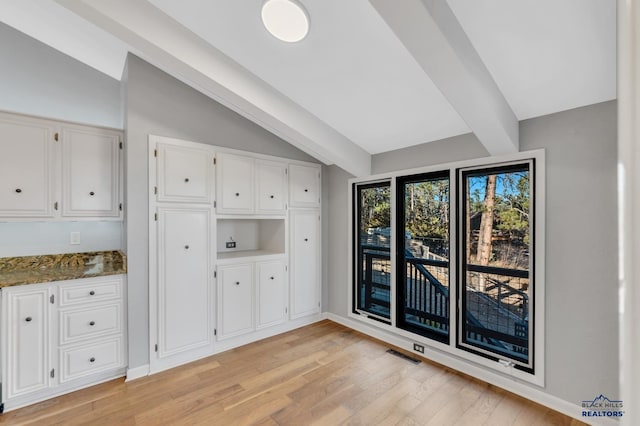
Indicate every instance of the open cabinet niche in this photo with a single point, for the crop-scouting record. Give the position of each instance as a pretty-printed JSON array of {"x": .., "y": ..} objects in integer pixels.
[{"x": 238, "y": 238}]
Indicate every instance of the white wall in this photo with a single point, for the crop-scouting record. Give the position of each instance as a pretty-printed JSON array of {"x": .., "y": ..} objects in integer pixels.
[
  {"x": 38, "y": 80},
  {"x": 581, "y": 252},
  {"x": 156, "y": 103}
]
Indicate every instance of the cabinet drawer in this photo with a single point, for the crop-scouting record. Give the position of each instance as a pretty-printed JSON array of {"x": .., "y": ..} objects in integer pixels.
[
  {"x": 87, "y": 292},
  {"x": 84, "y": 360},
  {"x": 89, "y": 323}
]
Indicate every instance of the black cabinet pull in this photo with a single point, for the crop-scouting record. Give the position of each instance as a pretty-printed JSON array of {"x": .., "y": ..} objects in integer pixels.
[
  {"x": 92, "y": 193},
  {"x": 237, "y": 194},
  {"x": 270, "y": 278},
  {"x": 237, "y": 282},
  {"x": 306, "y": 239},
  {"x": 92, "y": 359},
  {"x": 186, "y": 179},
  {"x": 92, "y": 323},
  {"x": 186, "y": 247},
  {"x": 91, "y": 293},
  {"x": 271, "y": 196},
  {"x": 306, "y": 190},
  {"x": 28, "y": 319},
  {"x": 18, "y": 190}
]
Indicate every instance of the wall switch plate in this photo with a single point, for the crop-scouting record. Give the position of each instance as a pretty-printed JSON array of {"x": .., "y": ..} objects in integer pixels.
[
  {"x": 74, "y": 238},
  {"x": 231, "y": 244},
  {"x": 418, "y": 348}
]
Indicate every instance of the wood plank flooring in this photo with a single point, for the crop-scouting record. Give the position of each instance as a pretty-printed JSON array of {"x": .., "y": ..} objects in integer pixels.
[{"x": 323, "y": 374}]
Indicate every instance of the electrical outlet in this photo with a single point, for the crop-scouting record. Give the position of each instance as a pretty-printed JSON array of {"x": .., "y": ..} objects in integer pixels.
[
  {"x": 418, "y": 348},
  {"x": 74, "y": 238},
  {"x": 231, "y": 244}
]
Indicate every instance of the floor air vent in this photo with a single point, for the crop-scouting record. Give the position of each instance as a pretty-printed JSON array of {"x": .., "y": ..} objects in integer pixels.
[{"x": 403, "y": 356}]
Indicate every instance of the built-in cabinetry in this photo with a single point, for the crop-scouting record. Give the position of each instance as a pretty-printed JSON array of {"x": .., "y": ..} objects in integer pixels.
[
  {"x": 246, "y": 185},
  {"x": 59, "y": 337},
  {"x": 229, "y": 247},
  {"x": 55, "y": 170}
]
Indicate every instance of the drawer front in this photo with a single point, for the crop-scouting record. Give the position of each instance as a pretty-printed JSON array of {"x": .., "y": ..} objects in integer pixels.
[
  {"x": 89, "y": 323},
  {"x": 85, "y": 360},
  {"x": 87, "y": 292}
]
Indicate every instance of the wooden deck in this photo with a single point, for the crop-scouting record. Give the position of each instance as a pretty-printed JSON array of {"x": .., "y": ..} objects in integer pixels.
[{"x": 323, "y": 374}]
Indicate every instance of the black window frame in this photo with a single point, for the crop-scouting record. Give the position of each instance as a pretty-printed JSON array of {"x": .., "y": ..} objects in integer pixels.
[
  {"x": 461, "y": 262},
  {"x": 400, "y": 256},
  {"x": 357, "y": 256}
]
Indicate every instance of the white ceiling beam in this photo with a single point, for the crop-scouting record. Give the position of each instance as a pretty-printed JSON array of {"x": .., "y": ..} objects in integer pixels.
[
  {"x": 166, "y": 44},
  {"x": 432, "y": 34}
]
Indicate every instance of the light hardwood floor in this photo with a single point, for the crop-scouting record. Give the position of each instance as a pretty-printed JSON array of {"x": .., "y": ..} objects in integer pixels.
[{"x": 323, "y": 374}]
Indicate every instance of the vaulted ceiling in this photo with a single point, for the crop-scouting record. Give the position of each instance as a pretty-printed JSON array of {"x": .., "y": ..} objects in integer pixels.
[{"x": 371, "y": 76}]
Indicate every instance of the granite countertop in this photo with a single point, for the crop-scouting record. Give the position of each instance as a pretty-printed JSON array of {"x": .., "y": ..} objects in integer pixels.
[{"x": 59, "y": 267}]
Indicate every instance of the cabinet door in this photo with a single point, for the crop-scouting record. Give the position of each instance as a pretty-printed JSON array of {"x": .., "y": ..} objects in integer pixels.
[
  {"x": 26, "y": 167},
  {"x": 184, "y": 173},
  {"x": 90, "y": 172},
  {"x": 235, "y": 184},
  {"x": 304, "y": 186},
  {"x": 305, "y": 262},
  {"x": 271, "y": 187},
  {"x": 270, "y": 294},
  {"x": 184, "y": 292},
  {"x": 235, "y": 300},
  {"x": 26, "y": 341}
]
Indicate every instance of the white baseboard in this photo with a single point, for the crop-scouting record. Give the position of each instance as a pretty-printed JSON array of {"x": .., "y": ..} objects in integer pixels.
[
  {"x": 137, "y": 372},
  {"x": 524, "y": 390}
]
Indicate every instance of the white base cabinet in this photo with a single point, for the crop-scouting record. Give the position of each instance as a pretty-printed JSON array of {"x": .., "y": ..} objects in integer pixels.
[
  {"x": 59, "y": 337},
  {"x": 251, "y": 296}
]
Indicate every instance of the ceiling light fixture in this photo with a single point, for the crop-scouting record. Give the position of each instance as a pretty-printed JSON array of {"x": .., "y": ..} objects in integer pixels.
[{"x": 286, "y": 20}]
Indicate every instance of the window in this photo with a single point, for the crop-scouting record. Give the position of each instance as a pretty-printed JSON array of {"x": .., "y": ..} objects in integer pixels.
[
  {"x": 423, "y": 255},
  {"x": 496, "y": 252},
  {"x": 452, "y": 257},
  {"x": 373, "y": 247}
]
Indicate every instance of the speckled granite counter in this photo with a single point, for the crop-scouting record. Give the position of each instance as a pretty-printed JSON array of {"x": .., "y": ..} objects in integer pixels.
[{"x": 59, "y": 267}]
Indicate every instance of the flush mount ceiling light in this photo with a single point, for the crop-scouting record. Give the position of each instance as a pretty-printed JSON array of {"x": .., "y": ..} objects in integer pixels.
[{"x": 286, "y": 20}]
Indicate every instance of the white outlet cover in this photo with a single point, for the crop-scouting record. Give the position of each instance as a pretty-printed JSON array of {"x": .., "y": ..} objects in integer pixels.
[{"x": 74, "y": 238}]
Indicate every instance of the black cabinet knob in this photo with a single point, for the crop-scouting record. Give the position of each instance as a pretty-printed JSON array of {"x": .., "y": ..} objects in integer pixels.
[
  {"x": 91, "y": 293},
  {"x": 237, "y": 282},
  {"x": 28, "y": 319},
  {"x": 92, "y": 323},
  {"x": 92, "y": 359},
  {"x": 92, "y": 193},
  {"x": 306, "y": 239},
  {"x": 186, "y": 247},
  {"x": 306, "y": 190},
  {"x": 237, "y": 194},
  {"x": 270, "y": 278},
  {"x": 186, "y": 179},
  {"x": 271, "y": 196},
  {"x": 18, "y": 190}
]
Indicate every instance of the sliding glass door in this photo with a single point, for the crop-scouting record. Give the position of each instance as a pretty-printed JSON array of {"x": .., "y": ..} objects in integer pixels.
[
  {"x": 422, "y": 211},
  {"x": 372, "y": 250}
]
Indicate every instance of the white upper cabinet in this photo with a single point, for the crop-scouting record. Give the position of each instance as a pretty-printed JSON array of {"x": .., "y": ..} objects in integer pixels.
[
  {"x": 235, "y": 184},
  {"x": 90, "y": 172},
  {"x": 304, "y": 186},
  {"x": 26, "y": 167},
  {"x": 271, "y": 187},
  {"x": 184, "y": 173},
  {"x": 55, "y": 170}
]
